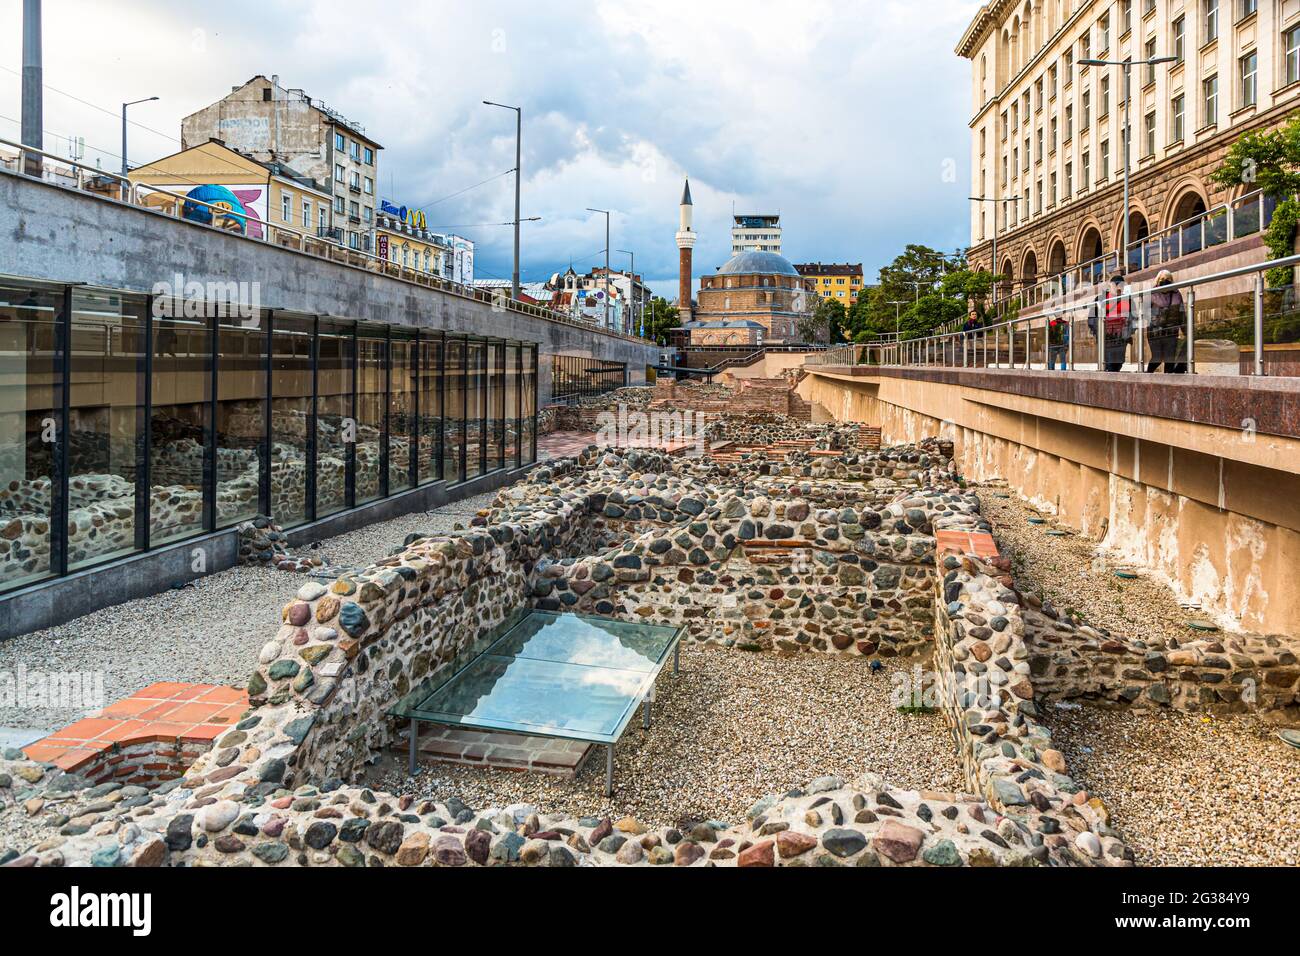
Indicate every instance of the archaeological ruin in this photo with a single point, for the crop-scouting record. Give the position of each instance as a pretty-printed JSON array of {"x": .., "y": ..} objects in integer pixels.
[{"x": 786, "y": 538}]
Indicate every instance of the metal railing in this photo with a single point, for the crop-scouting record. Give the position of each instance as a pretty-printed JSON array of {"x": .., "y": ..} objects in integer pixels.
[
  {"x": 1255, "y": 332},
  {"x": 1245, "y": 216},
  {"x": 115, "y": 188},
  {"x": 576, "y": 376}
]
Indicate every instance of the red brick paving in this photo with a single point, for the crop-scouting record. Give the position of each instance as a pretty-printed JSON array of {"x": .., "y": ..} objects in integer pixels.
[
  {"x": 169, "y": 713},
  {"x": 978, "y": 543}
]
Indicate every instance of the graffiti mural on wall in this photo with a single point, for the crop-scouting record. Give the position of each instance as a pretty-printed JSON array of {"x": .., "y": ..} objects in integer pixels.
[{"x": 244, "y": 206}]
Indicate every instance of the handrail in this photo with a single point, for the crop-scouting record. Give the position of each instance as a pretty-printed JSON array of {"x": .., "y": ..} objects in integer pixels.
[
  {"x": 130, "y": 194},
  {"x": 1076, "y": 274},
  {"x": 1013, "y": 339}
]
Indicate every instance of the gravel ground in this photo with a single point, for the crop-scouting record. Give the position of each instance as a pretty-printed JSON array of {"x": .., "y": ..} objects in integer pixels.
[
  {"x": 731, "y": 728},
  {"x": 1187, "y": 790},
  {"x": 1071, "y": 572},
  {"x": 361, "y": 547},
  {"x": 209, "y": 632},
  {"x": 1183, "y": 789}
]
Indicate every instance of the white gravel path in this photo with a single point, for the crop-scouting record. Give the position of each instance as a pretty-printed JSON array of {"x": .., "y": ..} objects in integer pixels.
[{"x": 209, "y": 632}]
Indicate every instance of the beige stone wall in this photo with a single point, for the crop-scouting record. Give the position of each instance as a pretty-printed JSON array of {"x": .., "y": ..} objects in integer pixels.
[{"x": 1215, "y": 516}]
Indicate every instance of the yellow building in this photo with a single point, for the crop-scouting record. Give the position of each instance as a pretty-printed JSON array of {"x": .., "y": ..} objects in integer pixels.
[
  {"x": 260, "y": 196},
  {"x": 834, "y": 280},
  {"x": 402, "y": 237}
]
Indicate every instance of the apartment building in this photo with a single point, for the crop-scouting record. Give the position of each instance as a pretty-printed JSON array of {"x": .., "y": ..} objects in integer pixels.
[
  {"x": 272, "y": 124},
  {"x": 834, "y": 280},
  {"x": 755, "y": 233}
]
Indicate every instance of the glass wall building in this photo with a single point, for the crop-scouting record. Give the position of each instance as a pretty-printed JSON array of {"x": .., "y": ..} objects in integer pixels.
[{"x": 130, "y": 422}]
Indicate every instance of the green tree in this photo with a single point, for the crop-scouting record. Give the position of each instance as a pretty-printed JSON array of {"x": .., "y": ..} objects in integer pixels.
[
  {"x": 1269, "y": 161},
  {"x": 910, "y": 276},
  {"x": 661, "y": 317},
  {"x": 827, "y": 323}
]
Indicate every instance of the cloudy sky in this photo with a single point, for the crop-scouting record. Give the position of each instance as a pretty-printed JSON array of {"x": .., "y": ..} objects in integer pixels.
[{"x": 841, "y": 115}]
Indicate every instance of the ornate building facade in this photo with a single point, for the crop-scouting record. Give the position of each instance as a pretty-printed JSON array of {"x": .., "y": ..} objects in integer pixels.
[{"x": 1047, "y": 130}]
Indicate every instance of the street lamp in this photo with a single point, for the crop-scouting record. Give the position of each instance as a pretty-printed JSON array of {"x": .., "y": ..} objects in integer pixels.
[
  {"x": 126, "y": 169},
  {"x": 995, "y": 268},
  {"x": 898, "y": 328},
  {"x": 635, "y": 297},
  {"x": 1128, "y": 84},
  {"x": 519, "y": 135},
  {"x": 605, "y": 212}
]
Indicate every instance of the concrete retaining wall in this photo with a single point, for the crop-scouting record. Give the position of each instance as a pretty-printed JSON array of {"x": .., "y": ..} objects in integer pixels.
[{"x": 56, "y": 233}]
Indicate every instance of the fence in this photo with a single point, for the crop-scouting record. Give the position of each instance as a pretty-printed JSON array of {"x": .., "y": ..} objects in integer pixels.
[
  {"x": 576, "y": 376},
  {"x": 1245, "y": 216},
  {"x": 111, "y": 187},
  {"x": 1239, "y": 333}
]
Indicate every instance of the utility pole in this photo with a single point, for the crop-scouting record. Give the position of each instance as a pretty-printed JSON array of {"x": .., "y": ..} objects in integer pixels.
[
  {"x": 33, "y": 120},
  {"x": 1127, "y": 66},
  {"x": 519, "y": 162},
  {"x": 996, "y": 275},
  {"x": 605, "y": 212},
  {"x": 126, "y": 168},
  {"x": 636, "y": 299}
]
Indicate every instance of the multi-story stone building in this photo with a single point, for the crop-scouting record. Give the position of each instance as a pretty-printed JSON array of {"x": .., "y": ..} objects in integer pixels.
[
  {"x": 262, "y": 119},
  {"x": 1047, "y": 140},
  {"x": 759, "y": 287},
  {"x": 834, "y": 280},
  {"x": 755, "y": 233}
]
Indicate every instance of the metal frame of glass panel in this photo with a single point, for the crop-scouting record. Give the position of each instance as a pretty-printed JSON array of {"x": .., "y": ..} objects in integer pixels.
[
  {"x": 583, "y": 681},
  {"x": 163, "y": 352}
]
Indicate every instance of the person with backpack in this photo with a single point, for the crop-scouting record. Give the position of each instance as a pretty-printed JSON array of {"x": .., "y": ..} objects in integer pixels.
[
  {"x": 1168, "y": 323},
  {"x": 1111, "y": 323}
]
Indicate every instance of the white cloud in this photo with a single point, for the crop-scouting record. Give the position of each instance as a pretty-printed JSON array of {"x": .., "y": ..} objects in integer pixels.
[{"x": 838, "y": 115}]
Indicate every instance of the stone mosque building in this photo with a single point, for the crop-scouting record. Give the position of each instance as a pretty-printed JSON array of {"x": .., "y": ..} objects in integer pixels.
[{"x": 755, "y": 298}]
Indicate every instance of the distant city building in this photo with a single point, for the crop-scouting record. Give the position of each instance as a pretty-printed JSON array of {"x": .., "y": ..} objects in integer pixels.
[
  {"x": 583, "y": 297},
  {"x": 756, "y": 234},
  {"x": 833, "y": 280},
  {"x": 271, "y": 124},
  {"x": 462, "y": 258},
  {"x": 402, "y": 236},
  {"x": 759, "y": 287},
  {"x": 254, "y": 195}
]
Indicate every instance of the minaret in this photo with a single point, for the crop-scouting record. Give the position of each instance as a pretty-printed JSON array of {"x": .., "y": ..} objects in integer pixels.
[{"x": 685, "y": 244}]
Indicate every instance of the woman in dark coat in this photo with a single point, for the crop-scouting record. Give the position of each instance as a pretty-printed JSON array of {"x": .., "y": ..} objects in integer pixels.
[{"x": 1168, "y": 321}]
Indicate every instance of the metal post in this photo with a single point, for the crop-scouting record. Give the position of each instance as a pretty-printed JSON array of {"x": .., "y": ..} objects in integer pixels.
[
  {"x": 33, "y": 87},
  {"x": 1128, "y": 216},
  {"x": 645, "y": 713},
  {"x": 609, "y": 770},
  {"x": 1259, "y": 323},
  {"x": 415, "y": 743},
  {"x": 1137, "y": 331},
  {"x": 677, "y": 658},
  {"x": 1191, "y": 330},
  {"x": 519, "y": 135}
]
